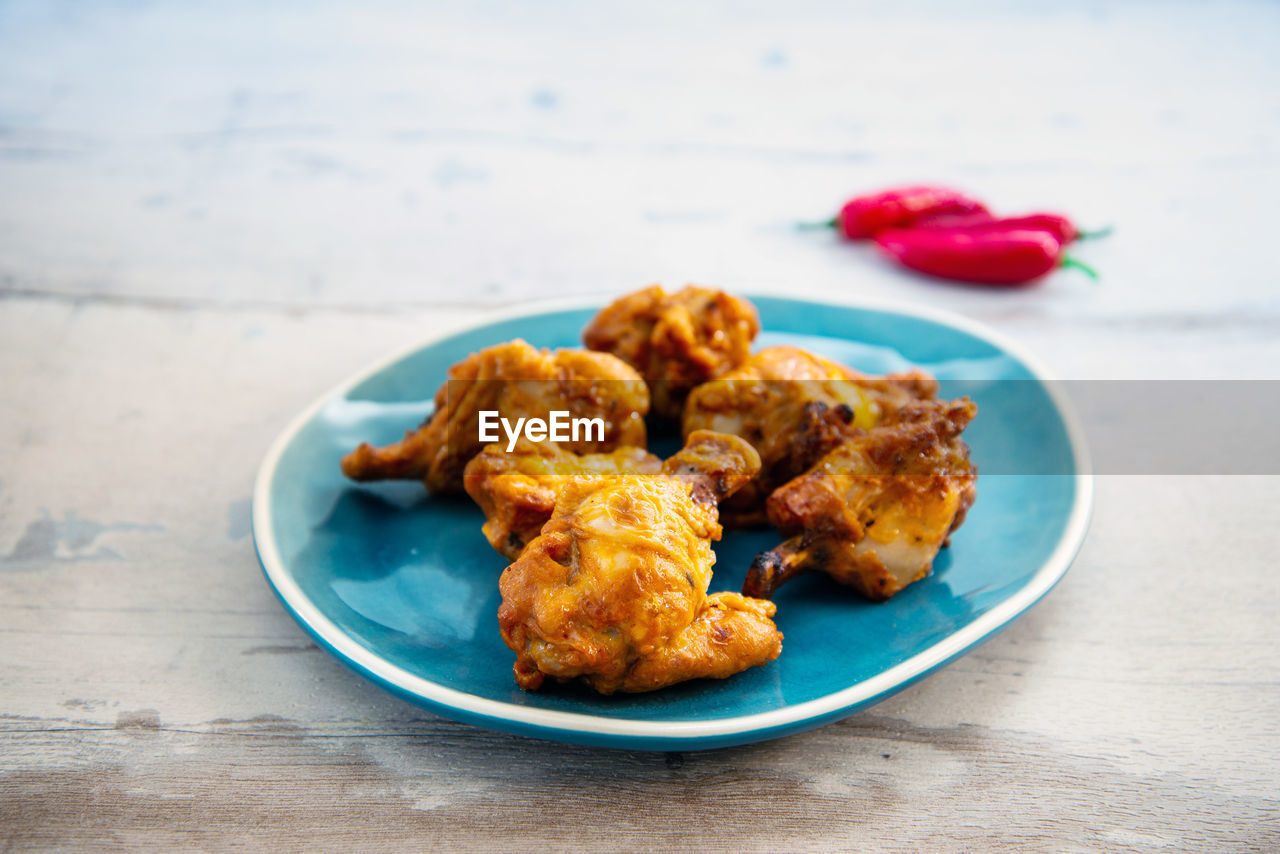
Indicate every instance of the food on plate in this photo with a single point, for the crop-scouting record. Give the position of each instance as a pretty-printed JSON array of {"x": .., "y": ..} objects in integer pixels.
[
  {"x": 610, "y": 548},
  {"x": 675, "y": 340},
  {"x": 514, "y": 379},
  {"x": 613, "y": 592},
  {"x": 874, "y": 511},
  {"x": 517, "y": 489},
  {"x": 793, "y": 406}
]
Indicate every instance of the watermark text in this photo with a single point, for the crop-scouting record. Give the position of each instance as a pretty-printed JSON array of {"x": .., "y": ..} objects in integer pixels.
[{"x": 557, "y": 427}]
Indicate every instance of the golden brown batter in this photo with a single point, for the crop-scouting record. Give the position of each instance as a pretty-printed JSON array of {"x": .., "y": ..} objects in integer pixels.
[
  {"x": 794, "y": 406},
  {"x": 675, "y": 340},
  {"x": 514, "y": 379},
  {"x": 874, "y": 512},
  {"x": 614, "y": 589}
]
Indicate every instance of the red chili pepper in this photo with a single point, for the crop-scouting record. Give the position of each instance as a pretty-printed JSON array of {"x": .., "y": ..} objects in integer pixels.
[
  {"x": 864, "y": 216},
  {"x": 1059, "y": 226},
  {"x": 1009, "y": 257}
]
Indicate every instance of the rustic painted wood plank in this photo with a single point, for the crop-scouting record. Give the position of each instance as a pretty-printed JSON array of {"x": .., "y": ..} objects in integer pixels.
[
  {"x": 418, "y": 155},
  {"x": 210, "y": 215},
  {"x": 873, "y": 783},
  {"x": 153, "y": 692}
]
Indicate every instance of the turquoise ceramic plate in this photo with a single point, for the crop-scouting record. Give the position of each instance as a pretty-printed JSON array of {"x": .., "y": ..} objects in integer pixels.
[{"x": 403, "y": 588}]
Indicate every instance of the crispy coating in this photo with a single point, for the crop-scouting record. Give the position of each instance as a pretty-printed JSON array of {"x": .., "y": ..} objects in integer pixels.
[
  {"x": 517, "y": 380},
  {"x": 613, "y": 592},
  {"x": 677, "y": 340},
  {"x": 517, "y": 490},
  {"x": 874, "y": 512},
  {"x": 794, "y": 407}
]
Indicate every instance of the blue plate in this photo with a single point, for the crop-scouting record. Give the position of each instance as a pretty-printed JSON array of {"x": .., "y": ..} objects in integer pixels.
[{"x": 403, "y": 588}]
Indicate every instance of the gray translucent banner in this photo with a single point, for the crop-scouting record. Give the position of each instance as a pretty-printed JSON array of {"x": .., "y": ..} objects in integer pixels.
[
  {"x": 1131, "y": 427},
  {"x": 1179, "y": 426}
]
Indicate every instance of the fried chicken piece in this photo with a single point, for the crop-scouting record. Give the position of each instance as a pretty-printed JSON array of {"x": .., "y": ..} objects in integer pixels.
[
  {"x": 517, "y": 380},
  {"x": 794, "y": 407},
  {"x": 517, "y": 490},
  {"x": 677, "y": 340},
  {"x": 874, "y": 512},
  {"x": 614, "y": 590}
]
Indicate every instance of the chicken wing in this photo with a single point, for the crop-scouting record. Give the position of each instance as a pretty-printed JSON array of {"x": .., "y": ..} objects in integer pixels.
[
  {"x": 676, "y": 340},
  {"x": 517, "y": 490},
  {"x": 614, "y": 590},
  {"x": 516, "y": 380},
  {"x": 794, "y": 407},
  {"x": 874, "y": 512}
]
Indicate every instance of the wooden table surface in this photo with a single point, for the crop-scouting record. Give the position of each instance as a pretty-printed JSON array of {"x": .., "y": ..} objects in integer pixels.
[{"x": 212, "y": 213}]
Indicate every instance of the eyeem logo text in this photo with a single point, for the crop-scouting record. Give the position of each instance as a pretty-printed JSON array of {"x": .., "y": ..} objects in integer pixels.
[{"x": 559, "y": 427}]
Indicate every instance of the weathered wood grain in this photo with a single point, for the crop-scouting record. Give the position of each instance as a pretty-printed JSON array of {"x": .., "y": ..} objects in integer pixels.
[
  {"x": 211, "y": 214},
  {"x": 420, "y": 155},
  {"x": 154, "y": 692},
  {"x": 872, "y": 783}
]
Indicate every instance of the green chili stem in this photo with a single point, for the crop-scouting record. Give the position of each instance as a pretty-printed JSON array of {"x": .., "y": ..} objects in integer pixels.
[
  {"x": 814, "y": 226},
  {"x": 1094, "y": 235},
  {"x": 1068, "y": 261}
]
